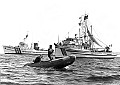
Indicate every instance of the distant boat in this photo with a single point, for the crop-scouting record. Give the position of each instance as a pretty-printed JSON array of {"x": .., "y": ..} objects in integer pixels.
[
  {"x": 23, "y": 48},
  {"x": 85, "y": 45},
  {"x": 84, "y": 54}
]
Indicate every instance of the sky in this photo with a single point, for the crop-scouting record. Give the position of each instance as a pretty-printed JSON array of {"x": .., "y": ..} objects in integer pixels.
[{"x": 45, "y": 20}]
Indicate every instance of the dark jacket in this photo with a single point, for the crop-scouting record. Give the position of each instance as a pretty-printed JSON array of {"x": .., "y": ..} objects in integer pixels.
[
  {"x": 50, "y": 51},
  {"x": 38, "y": 59}
]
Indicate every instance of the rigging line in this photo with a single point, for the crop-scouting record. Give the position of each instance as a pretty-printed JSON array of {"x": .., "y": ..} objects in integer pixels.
[
  {"x": 98, "y": 37},
  {"x": 101, "y": 41},
  {"x": 96, "y": 33}
]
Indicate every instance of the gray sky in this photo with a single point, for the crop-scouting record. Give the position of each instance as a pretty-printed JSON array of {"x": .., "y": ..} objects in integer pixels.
[{"x": 44, "y": 20}]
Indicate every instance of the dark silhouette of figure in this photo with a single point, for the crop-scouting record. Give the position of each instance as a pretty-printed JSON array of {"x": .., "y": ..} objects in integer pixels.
[
  {"x": 107, "y": 49},
  {"x": 38, "y": 59},
  {"x": 50, "y": 51}
]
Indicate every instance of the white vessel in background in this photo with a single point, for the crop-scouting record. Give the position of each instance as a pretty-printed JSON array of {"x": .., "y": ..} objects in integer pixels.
[
  {"x": 23, "y": 48},
  {"x": 86, "y": 44}
]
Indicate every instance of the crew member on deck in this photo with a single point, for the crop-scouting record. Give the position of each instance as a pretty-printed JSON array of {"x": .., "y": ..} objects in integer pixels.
[
  {"x": 107, "y": 49},
  {"x": 50, "y": 52},
  {"x": 38, "y": 59}
]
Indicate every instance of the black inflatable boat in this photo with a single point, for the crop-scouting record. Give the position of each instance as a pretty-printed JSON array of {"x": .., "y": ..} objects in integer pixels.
[{"x": 56, "y": 63}]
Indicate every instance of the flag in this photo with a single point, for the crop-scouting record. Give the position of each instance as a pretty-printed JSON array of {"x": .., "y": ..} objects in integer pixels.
[
  {"x": 85, "y": 17},
  {"x": 26, "y": 35}
]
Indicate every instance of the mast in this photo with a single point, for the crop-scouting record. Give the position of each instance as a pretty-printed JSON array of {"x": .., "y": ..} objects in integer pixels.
[
  {"x": 58, "y": 38},
  {"x": 92, "y": 44},
  {"x": 79, "y": 41},
  {"x": 68, "y": 34},
  {"x": 91, "y": 29},
  {"x": 79, "y": 35}
]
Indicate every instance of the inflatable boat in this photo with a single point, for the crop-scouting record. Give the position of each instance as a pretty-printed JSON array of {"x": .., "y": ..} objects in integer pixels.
[{"x": 56, "y": 63}]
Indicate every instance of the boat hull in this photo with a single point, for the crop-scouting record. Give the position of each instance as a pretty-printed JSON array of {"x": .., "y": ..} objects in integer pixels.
[
  {"x": 99, "y": 55},
  {"x": 18, "y": 50},
  {"x": 9, "y": 50},
  {"x": 57, "y": 63}
]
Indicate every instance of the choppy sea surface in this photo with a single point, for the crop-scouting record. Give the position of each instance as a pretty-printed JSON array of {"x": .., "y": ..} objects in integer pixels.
[{"x": 84, "y": 71}]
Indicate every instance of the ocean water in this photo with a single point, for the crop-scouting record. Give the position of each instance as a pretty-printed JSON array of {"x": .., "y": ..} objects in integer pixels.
[{"x": 84, "y": 71}]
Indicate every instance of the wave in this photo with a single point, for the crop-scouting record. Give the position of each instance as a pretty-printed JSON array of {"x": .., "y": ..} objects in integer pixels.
[{"x": 103, "y": 77}]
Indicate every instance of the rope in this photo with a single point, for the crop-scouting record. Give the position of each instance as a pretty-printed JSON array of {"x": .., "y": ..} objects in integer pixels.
[
  {"x": 101, "y": 41},
  {"x": 98, "y": 36}
]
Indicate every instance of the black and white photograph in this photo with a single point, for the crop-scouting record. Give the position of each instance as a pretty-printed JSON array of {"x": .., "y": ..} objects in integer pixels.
[{"x": 59, "y": 42}]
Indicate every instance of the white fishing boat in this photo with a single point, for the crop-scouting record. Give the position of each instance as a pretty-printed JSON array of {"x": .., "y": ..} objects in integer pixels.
[
  {"x": 86, "y": 44},
  {"x": 23, "y": 48},
  {"x": 86, "y": 54}
]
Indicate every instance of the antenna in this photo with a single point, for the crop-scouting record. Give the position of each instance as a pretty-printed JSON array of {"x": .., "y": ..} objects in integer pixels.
[
  {"x": 79, "y": 33},
  {"x": 68, "y": 34},
  {"x": 58, "y": 38},
  {"x": 91, "y": 29}
]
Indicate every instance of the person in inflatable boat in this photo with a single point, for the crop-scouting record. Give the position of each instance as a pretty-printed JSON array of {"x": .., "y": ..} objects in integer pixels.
[
  {"x": 38, "y": 58},
  {"x": 50, "y": 52}
]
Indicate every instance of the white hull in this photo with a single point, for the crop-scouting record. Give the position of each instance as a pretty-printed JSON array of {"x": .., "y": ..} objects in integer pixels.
[
  {"x": 99, "y": 55},
  {"x": 17, "y": 50},
  {"x": 9, "y": 50},
  {"x": 75, "y": 50}
]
